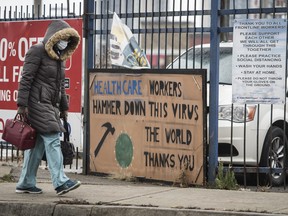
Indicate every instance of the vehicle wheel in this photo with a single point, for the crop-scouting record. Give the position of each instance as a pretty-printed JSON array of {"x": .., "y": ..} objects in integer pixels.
[{"x": 274, "y": 156}]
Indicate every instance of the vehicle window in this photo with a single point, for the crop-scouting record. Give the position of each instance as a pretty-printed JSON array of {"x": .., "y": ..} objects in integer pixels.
[{"x": 200, "y": 59}]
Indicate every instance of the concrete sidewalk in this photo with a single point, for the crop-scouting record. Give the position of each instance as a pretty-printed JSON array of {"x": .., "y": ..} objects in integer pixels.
[{"x": 108, "y": 196}]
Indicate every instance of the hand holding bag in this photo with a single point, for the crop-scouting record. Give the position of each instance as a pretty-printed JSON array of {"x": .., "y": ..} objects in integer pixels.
[
  {"x": 68, "y": 149},
  {"x": 19, "y": 132}
]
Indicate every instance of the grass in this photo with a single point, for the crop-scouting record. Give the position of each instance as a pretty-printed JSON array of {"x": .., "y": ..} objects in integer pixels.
[
  {"x": 182, "y": 179},
  {"x": 226, "y": 180},
  {"x": 7, "y": 178}
]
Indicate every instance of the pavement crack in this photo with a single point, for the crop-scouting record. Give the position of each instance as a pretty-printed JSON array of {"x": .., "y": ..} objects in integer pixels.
[
  {"x": 143, "y": 195},
  {"x": 122, "y": 204}
]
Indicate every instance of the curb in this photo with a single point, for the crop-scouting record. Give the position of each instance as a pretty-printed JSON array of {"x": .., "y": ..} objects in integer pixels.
[{"x": 36, "y": 209}]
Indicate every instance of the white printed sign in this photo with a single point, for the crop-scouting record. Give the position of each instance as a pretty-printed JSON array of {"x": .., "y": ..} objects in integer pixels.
[{"x": 259, "y": 61}]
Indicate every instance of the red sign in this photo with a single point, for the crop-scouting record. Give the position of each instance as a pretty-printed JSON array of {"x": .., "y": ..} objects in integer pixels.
[{"x": 15, "y": 40}]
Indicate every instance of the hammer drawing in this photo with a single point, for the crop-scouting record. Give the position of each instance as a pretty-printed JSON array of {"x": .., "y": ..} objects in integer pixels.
[{"x": 109, "y": 129}]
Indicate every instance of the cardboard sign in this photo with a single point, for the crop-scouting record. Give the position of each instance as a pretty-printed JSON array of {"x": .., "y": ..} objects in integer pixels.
[{"x": 148, "y": 124}]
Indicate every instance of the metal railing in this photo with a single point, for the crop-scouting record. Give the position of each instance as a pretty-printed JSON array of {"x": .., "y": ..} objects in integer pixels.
[
  {"x": 36, "y": 12},
  {"x": 8, "y": 153}
]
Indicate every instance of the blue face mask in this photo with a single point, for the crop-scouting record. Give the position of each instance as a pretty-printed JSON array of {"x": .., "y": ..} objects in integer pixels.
[{"x": 62, "y": 44}]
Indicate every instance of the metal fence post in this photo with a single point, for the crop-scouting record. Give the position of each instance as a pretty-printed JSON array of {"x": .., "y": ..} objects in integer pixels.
[
  {"x": 88, "y": 64},
  {"x": 214, "y": 92}
]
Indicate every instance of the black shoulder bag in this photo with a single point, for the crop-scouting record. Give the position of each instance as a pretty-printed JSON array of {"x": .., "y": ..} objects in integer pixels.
[{"x": 67, "y": 148}]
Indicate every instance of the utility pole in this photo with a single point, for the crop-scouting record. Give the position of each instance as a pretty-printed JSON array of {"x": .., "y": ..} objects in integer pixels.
[
  {"x": 224, "y": 20},
  {"x": 68, "y": 8},
  {"x": 37, "y": 8}
]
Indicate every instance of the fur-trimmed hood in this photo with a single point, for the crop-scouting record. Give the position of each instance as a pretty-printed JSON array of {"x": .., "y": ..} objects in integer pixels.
[{"x": 60, "y": 30}]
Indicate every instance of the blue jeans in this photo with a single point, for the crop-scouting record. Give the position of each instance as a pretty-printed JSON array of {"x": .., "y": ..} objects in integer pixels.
[{"x": 32, "y": 158}]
